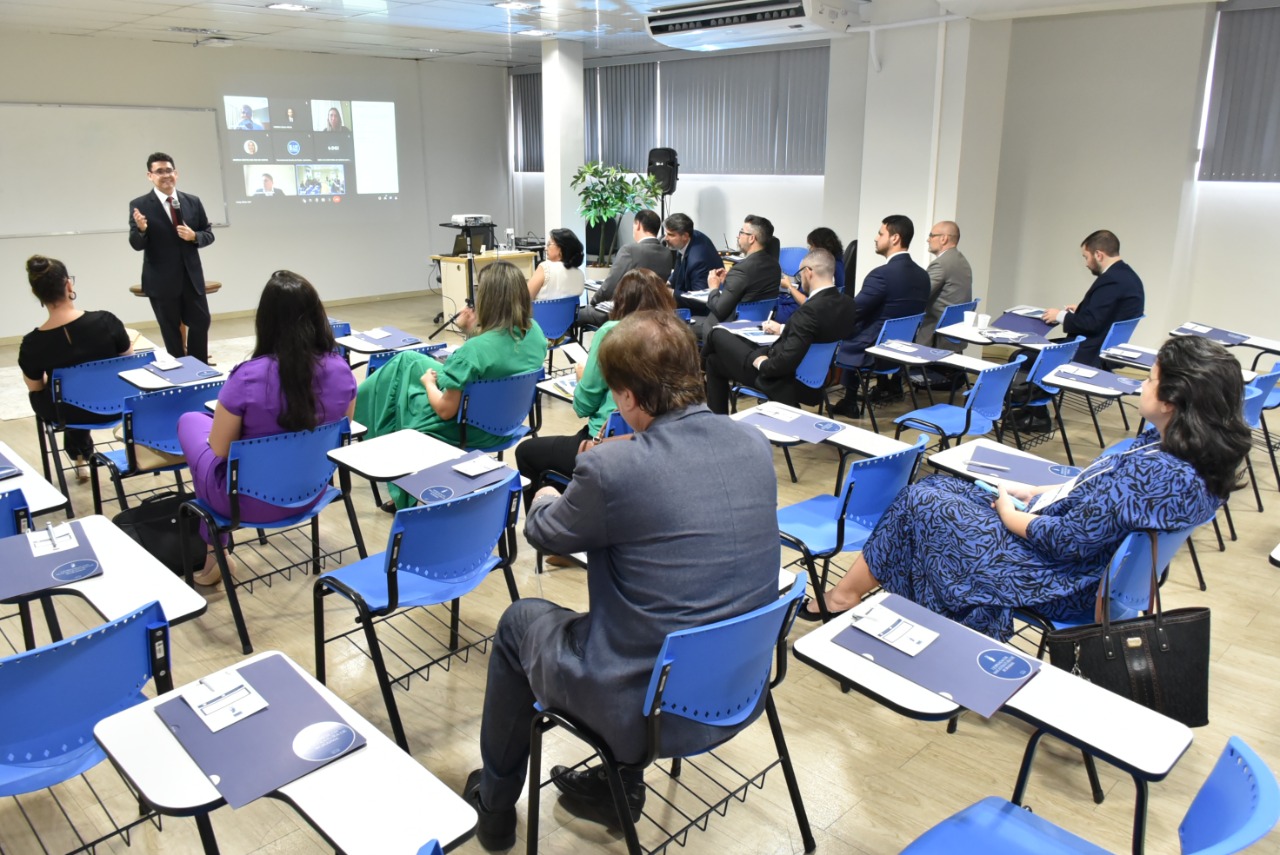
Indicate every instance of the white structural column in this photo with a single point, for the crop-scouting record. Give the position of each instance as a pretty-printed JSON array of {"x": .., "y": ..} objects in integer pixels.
[{"x": 562, "y": 143}]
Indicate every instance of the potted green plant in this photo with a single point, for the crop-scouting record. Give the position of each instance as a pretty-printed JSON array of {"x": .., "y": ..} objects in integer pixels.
[{"x": 605, "y": 193}]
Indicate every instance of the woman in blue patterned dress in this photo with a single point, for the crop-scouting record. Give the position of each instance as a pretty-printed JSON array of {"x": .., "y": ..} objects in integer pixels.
[{"x": 945, "y": 545}]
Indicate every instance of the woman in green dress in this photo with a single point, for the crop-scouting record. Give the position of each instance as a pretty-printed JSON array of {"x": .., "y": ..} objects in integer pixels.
[{"x": 415, "y": 391}]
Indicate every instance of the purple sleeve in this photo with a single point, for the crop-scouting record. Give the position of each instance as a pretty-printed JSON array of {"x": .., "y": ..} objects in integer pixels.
[
  {"x": 338, "y": 388},
  {"x": 236, "y": 392}
]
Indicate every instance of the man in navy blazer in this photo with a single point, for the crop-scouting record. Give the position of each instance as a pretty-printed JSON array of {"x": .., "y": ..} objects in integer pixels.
[
  {"x": 697, "y": 256},
  {"x": 895, "y": 289},
  {"x": 665, "y": 552},
  {"x": 1115, "y": 295},
  {"x": 169, "y": 228}
]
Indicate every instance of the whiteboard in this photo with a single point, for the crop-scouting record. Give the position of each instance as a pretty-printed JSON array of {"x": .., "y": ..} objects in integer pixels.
[{"x": 94, "y": 158}]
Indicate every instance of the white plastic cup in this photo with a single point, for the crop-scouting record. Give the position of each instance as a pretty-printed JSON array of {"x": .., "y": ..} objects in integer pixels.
[
  {"x": 971, "y": 318},
  {"x": 984, "y": 321}
]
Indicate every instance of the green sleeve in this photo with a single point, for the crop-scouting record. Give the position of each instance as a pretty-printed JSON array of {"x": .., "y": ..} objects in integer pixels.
[
  {"x": 591, "y": 398},
  {"x": 463, "y": 365}
]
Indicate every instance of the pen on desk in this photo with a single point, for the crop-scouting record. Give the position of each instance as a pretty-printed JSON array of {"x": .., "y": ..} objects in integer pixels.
[
  {"x": 48, "y": 529},
  {"x": 971, "y": 464}
]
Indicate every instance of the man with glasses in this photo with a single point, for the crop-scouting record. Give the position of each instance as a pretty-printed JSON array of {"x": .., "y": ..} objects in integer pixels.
[
  {"x": 950, "y": 280},
  {"x": 169, "y": 228},
  {"x": 753, "y": 278},
  {"x": 826, "y": 316}
]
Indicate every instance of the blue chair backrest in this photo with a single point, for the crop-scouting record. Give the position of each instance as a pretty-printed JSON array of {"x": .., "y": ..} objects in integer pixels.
[
  {"x": 757, "y": 310},
  {"x": 382, "y": 357},
  {"x": 871, "y": 485},
  {"x": 152, "y": 417},
  {"x": 954, "y": 314},
  {"x": 816, "y": 365},
  {"x": 684, "y": 315},
  {"x": 13, "y": 511},
  {"x": 901, "y": 329},
  {"x": 340, "y": 328},
  {"x": 1130, "y": 569},
  {"x": 96, "y": 386},
  {"x": 1049, "y": 359},
  {"x": 1121, "y": 332},
  {"x": 431, "y": 847},
  {"x": 56, "y": 694},
  {"x": 288, "y": 470},
  {"x": 715, "y": 674},
  {"x": 1263, "y": 385},
  {"x": 451, "y": 541},
  {"x": 1238, "y": 804},
  {"x": 501, "y": 405},
  {"x": 555, "y": 316},
  {"x": 789, "y": 258},
  {"x": 616, "y": 425},
  {"x": 990, "y": 387}
]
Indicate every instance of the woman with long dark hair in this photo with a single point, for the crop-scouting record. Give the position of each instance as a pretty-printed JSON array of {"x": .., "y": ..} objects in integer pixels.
[
  {"x": 69, "y": 337},
  {"x": 561, "y": 274},
  {"x": 294, "y": 381},
  {"x": 946, "y": 545},
  {"x": 792, "y": 297}
]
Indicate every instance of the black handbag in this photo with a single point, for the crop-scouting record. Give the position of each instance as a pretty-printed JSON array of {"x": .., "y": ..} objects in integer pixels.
[{"x": 1159, "y": 660}]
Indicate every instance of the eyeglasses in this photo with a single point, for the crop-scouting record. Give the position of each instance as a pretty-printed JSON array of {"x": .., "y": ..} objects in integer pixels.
[
  {"x": 163, "y": 171},
  {"x": 802, "y": 269},
  {"x": 72, "y": 280},
  {"x": 939, "y": 234},
  {"x": 747, "y": 233}
]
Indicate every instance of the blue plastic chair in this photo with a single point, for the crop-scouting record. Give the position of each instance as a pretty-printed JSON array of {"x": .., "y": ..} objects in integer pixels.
[
  {"x": 556, "y": 318},
  {"x": 55, "y": 695},
  {"x": 150, "y": 421},
  {"x": 1047, "y": 361},
  {"x": 757, "y": 310},
  {"x": 718, "y": 675},
  {"x": 893, "y": 329},
  {"x": 382, "y": 357},
  {"x": 431, "y": 847},
  {"x": 436, "y": 553},
  {"x": 288, "y": 470},
  {"x": 983, "y": 408},
  {"x": 684, "y": 315},
  {"x": 13, "y": 513},
  {"x": 500, "y": 407},
  {"x": 1120, "y": 333},
  {"x": 1272, "y": 401},
  {"x": 1257, "y": 393},
  {"x": 92, "y": 386},
  {"x": 954, "y": 314},
  {"x": 1237, "y": 805},
  {"x": 790, "y": 257},
  {"x": 822, "y": 527}
]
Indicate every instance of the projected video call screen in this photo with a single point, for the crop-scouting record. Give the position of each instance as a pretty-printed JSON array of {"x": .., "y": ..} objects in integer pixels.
[{"x": 313, "y": 151}]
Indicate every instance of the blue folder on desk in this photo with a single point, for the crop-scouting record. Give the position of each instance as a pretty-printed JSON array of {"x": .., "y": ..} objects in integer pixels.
[
  {"x": 26, "y": 573},
  {"x": 1225, "y": 337},
  {"x": 805, "y": 428},
  {"x": 297, "y": 733},
  {"x": 1007, "y": 466},
  {"x": 7, "y": 469},
  {"x": 1023, "y": 324},
  {"x": 395, "y": 338},
  {"x": 968, "y": 667},
  {"x": 440, "y": 482},
  {"x": 919, "y": 351},
  {"x": 190, "y": 370},
  {"x": 1098, "y": 377},
  {"x": 1128, "y": 355}
]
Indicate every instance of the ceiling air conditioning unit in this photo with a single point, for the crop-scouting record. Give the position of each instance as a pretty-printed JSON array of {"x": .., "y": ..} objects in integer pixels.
[{"x": 747, "y": 23}]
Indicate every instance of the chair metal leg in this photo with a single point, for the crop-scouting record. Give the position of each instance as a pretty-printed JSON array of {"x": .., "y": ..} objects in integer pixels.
[
  {"x": 28, "y": 626},
  {"x": 786, "y": 453},
  {"x": 454, "y": 620},
  {"x": 865, "y": 382},
  {"x": 1139, "y": 814},
  {"x": 384, "y": 680},
  {"x": 351, "y": 515},
  {"x": 1217, "y": 530},
  {"x": 621, "y": 807},
  {"x": 1231, "y": 524},
  {"x": 535, "y": 783},
  {"x": 677, "y": 765},
  {"x": 1088, "y": 402},
  {"x": 207, "y": 841},
  {"x": 793, "y": 786},
  {"x": 1095, "y": 785},
  {"x": 317, "y": 599},
  {"x": 51, "y": 618},
  {"x": 953, "y": 723},
  {"x": 62, "y": 473},
  {"x": 1062, "y": 429},
  {"x": 1253, "y": 480},
  {"x": 1271, "y": 449},
  {"x": 315, "y": 545},
  {"x": 229, "y": 582},
  {"x": 1024, "y": 772},
  {"x": 1195, "y": 562}
]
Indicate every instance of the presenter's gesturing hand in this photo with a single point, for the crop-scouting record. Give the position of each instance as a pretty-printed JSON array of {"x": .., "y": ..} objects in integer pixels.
[
  {"x": 185, "y": 232},
  {"x": 140, "y": 221}
]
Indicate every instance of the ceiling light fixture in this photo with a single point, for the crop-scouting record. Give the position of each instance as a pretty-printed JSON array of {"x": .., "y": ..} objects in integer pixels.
[
  {"x": 291, "y": 7},
  {"x": 513, "y": 6},
  {"x": 534, "y": 33}
]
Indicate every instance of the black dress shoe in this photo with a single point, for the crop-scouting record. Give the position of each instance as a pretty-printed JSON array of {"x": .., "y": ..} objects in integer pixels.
[
  {"x": 585, "y": 793},
  {"x": 885, "y": 394},
  {"x": 847, "y": 406},
  {"x": 495, "y": 829},
  {"x": 1034, "y": 423}
]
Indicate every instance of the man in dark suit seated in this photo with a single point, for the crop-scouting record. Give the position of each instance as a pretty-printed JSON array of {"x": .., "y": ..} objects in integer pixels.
[
  {"x": 755, "y": 277},
  {"x": 665, "y": 552},
  {"x": 696, "y": 257},
  {"x": 1115, "y": 295},
  {"x": 895, "y": 289},
  {"x": 647, "y": 252},
  {"x": 826, "y": 316}
]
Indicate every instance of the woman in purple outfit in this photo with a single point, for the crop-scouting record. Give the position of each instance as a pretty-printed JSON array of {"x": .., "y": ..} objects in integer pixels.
[{"x": 293, "y": 382}]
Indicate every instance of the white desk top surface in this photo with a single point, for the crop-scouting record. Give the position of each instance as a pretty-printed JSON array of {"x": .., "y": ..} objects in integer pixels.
[
  {"x": 1129, "y": 735},
  {"x": 956, "y": 459},
  {"x": 148, "y": 382},
  {"x": 852, "y": 437},
  {"x": 394, "y": 455},
  {"x": 973, "y": 335},
  {"x": 359, "y": 345},
  {"x": 376, "y": 800},
  {"x": 549, "y": 387},
  {"x": 1057, "y": 377},
  {"x": 131, "y": 577},
  {"x": 958, "y": 360},
  {"x": 41, "y": 496}
]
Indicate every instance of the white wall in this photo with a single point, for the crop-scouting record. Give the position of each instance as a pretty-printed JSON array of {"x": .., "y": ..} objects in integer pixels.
[{"x": 451, "y": 160}]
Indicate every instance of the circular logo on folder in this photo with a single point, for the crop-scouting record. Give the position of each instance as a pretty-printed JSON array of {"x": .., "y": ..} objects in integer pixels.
[
  {"x": 73, "y": 571},
  {"x": 829, "y": 427},
  {"x": 436, "y": 494},
  {"x": 1065, "y": 471},
  {"x": 323, "y": 740},
  {"x": 1003, "y": 664}
]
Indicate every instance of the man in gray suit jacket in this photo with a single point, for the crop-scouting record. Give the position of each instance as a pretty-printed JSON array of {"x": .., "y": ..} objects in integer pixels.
[
  {"x": 950, "y": 278},
  {"x": 664, "y": 552},
  {"x": 647, "y": 252}
]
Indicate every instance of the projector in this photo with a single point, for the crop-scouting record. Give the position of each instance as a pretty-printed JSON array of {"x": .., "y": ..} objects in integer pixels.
[{"x": 472, "y": 220}]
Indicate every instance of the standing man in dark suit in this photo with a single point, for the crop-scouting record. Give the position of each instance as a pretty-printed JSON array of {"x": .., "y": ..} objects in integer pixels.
[
  {"x": 696, "y": 257},
  {"x": 1115, "y": 295},
  {"x": 827, "y": 315},
  {"x": 895, "y": 289},
  {"x": 665, "y": 552},
  {"x": 169, "y": 228},
  {"x": 647, "y": 252}
]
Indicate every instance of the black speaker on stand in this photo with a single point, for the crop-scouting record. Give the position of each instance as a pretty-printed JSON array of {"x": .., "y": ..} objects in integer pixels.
[{"x": 664, "y": 166}]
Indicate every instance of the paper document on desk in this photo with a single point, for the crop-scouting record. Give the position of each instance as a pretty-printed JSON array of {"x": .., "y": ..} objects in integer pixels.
[
  {"x": 884, "y": 623},
  {"x": 47, "y": 558},
  {"x": 1096, "y": 377},
  {"x": 568, "y": 385},
  {"x": 1027, "y": 311},
  {"x": 751, "y": 331},
  {"x": 220, "y": 700},
  {"x": 1125, "y": 354},
  {"x": 577, "y": 353}
]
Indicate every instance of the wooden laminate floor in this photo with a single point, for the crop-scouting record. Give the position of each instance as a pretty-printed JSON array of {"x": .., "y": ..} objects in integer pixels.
[{"x": 872, "y": 780}]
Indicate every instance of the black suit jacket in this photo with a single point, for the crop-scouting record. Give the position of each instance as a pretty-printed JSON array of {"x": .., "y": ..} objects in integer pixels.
[
  {"x": 165, "y": 256},
  {"x": 1116, "y": 295},
  {"x": 895, "y": 289},
  {"x": 691, "y": 268},
  {"x": 755, "y": 277},
  {"x": 826, "y": 316}
]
